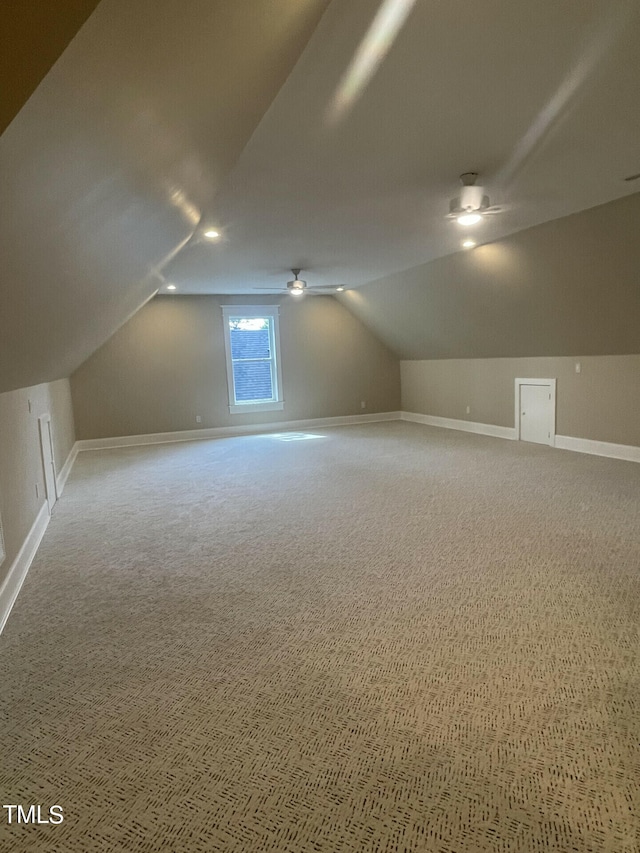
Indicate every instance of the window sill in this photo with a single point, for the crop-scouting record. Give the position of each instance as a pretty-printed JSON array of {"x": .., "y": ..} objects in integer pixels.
[{"x": 247, "y": 408}]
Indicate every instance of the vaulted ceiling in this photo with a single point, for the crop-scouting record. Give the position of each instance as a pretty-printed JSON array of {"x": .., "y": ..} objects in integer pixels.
[
  {"x": 539, "y": 98},
  {"x": 107, "y": 169},
  {"x": 314, "y": 134}
]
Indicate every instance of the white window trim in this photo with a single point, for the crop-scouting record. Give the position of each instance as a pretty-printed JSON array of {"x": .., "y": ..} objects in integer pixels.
[{"x": 273, "y": 313}]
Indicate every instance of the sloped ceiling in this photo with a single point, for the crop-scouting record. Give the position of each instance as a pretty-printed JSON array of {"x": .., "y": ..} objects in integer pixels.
[
  {"x": 541, "y": 98},
  {"x": 109, "y": 166},
  {"x": 163, "y": 116},
  {"x": 562, "y": 288}
]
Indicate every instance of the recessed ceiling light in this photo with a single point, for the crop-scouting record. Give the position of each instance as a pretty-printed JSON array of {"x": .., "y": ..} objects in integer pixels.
[
  {"x": 469, "y": 219},
  {"x": 339, "y": 289},
  {"x": 171, "y": 287},
  {"x": 468, "y": 244},
  {"x": 211, "y": 234}
]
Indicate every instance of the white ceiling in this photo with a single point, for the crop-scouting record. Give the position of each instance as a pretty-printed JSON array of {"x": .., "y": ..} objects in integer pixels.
[
  {"x": 165, "y": 115},
  {"x": 540, "y": 98}
]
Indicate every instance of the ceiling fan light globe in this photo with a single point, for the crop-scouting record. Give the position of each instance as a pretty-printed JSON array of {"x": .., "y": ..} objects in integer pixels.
[{"x": 469, "y": 219}]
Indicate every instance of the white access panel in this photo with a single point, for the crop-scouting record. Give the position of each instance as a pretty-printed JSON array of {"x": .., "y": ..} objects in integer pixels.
[{"x": 536, "y": 412}]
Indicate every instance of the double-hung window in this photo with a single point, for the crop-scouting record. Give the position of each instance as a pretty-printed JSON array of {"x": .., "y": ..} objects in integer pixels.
[{"x": 252, "y": 346}]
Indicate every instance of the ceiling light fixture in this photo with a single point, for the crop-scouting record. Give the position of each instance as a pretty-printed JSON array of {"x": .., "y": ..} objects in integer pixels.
[
  {"x": 469, "y": 219},
  {"x": 171, "y": 287},
  {"x": 340, "y": 289},
  {"x": 472, "y": 204},
  {"x": 297, "y": 286},
  {"x": 211, "y": 234},
  {"x": 468, "y": 244}
]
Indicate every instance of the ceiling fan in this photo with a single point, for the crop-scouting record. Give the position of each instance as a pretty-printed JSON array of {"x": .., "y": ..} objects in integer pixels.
[
  {"x": 297, "y": 287},
  {"x": 472, "y": 204}
]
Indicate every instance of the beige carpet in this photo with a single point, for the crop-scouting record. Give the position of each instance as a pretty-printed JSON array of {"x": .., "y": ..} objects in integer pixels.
[{"x": 386, "y": 638}]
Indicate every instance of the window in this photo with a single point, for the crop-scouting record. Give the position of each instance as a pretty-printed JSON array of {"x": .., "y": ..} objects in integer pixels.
[{"x": 252, "y": 346}]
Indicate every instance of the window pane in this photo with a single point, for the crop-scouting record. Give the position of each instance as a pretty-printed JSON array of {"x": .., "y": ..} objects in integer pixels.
[
  {"x": 252, "y": 381},
  {"x": 249, "y": 337}
]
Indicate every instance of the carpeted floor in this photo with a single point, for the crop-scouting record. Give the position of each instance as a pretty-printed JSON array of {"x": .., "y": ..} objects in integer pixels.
[{"x": 383, "y": 638}]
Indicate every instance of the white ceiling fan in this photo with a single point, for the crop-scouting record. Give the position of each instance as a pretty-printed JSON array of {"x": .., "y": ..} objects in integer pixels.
[
  {"x": 472, "y": 204},
  {"x": 297, "y": 287}
]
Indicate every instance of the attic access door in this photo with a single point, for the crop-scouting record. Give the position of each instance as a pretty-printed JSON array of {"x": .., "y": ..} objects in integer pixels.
[
  {"x": 48, "y": 464},
  {"x": 535, "y": 414}
]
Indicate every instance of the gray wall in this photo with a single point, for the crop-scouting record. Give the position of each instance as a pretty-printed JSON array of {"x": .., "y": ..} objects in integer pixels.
[
  {"x": 167, "y": 365},
  {"x": 20, "y": 460},
  {"x": 568, "y": 287},
  {"x": 601, "y": 403}
]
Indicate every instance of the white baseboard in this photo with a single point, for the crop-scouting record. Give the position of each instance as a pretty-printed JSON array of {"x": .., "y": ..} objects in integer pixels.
[
  {"x": 629, "y": 452},
  {"x": 229, "y": 432},
  {"x": 18, "y": 570},
  {"x": 63, "y": 476},
  {"x": 465, "y": 426},
  {"x": 20, "y": 566}
]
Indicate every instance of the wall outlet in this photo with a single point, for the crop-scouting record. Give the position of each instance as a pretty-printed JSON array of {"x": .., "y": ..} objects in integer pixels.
[
  {"x": 578, "y": 367},
  {"x": 468, "y": 410},
  {"x": 363, "y": 404},
  {"x": 198, "y": 419}
]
